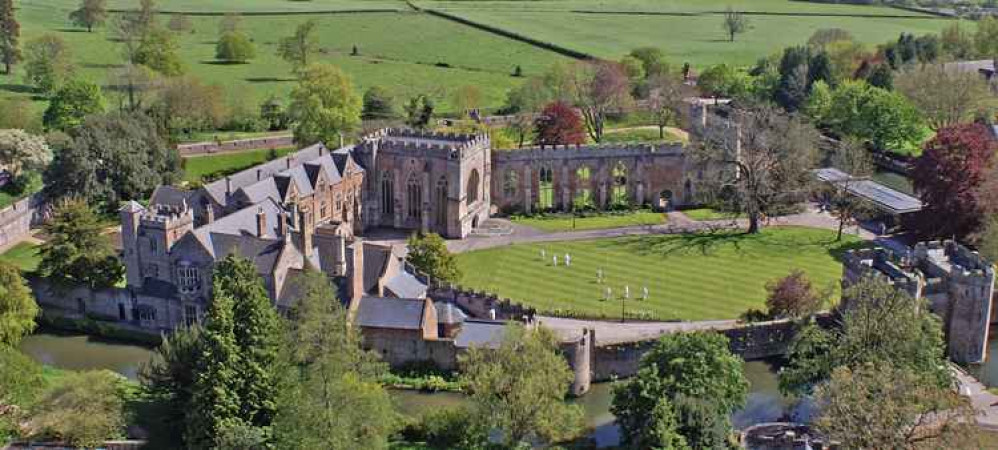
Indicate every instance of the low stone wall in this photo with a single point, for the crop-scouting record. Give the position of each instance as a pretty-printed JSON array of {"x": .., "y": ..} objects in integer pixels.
[
  {"x": 201, "y": 148},
  {"x": 482, "y": 305},
  {"x": 16, "y": 220}
]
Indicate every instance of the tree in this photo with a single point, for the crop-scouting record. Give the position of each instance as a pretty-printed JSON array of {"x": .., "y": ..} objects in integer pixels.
[
  {"x": 881, "y": 77},
  {"x": 822, "y": 37},
  {"x": 559, "y": 124},
  {"x": 734, "y": 23},
  {"x": 21, "y": 383},
  {"x": 48, "y": 63},
  {"x": 18, "y": 113},
  {"x": 524, "y": 102},
  {"x": 987, "y": 242},
  {"x": 698, "y": 375},
  {"x": 230, "y": 23},
  {"x": 328, "y": 369},
  {"x": 879, "y": 324},
  {"x": 794, "y": 84},
  {"x": 948, "y": 177},
  {"x": 215, "y": 399},
  {"x": 793, "y": 296},
  {"x": 91, "y": 13},
  {"x": 665, "y": 101},
  {"x": 21, "y": 151},
  {"x": 723, "y": 80},
  {"x": 10, "y": 34},
  {"x": 71, "y": 104},
  {"x": 945, "y": 97},
  {"x": 598, "y": 88},
  {"x": 235, "y": 47},
  {"x": 819, "y": 103},
  {"x": 378, "y": 104},
  {"x": 17, "y": 306},
  {"x": 114, "y": 157},
  {"x": 878, "y": 406},
  {"x": 324, "y": 105},
  {"x": 157, "y": 50},
  {"x": 77, "y": 252},
  {"x": 428, "y": 253},
  {"x": 186, "y": 105},
  {"x": 299, "y": 48},
  {"x": 83, "y": 410},
  {"x": 169, "y": 378},
  {"x": 519, "y": 388},
  {"x": 133, "y": 82},
  {"x": 257, "y": 338},
  {"x": 853, "y": 158},
  {"x": 957, "y": 42},
  {"x": 419, "y": 112},
  {"x": 764, "y": 172},
  {"x": 652, "y": 61},
  {"x": 180, "y": 23},
  {"x": 145, "y": 17},
  {"x": 885, "y": 119},
  {"x": 273, "y": 114},
  {"x": 986, "y": 37}
]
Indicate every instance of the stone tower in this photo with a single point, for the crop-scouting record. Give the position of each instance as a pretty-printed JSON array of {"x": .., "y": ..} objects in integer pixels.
[
  {"x": 159, "y": 229},
  {"x": 130, "y": 218}
]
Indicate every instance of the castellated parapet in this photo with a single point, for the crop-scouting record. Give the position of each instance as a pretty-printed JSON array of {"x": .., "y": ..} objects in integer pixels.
[{"x": 958, "y": 283}]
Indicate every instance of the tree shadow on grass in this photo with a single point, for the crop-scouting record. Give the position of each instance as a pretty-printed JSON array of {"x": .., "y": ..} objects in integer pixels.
[
  {"x": 17, "y": 88},
  {"x": 101, "y": 66},
  {"x": 269, "y": 80},
  {"x": 705, "y": 243},
  {"x": 71, "y": 30},
  {"x": 216, "y": 62}
]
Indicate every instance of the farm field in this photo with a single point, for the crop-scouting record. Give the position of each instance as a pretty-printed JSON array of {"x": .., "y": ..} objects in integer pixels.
[
  {"x": 564, "y": 222},
  {"x": 407, "y": 53},
  {"x": 696, "y": 38},
  {"x": 689, "y": 277},
  {"x": 668, "y": 6},
  {"x": 256, "y": 6},
  {"x": 196, "y": 168}
]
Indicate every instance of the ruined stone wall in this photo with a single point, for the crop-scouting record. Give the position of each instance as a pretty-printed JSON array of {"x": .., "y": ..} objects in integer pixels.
[
  {"x": 115, "y": 305},
  {"x": 554, "y": 178},
  {"x": 482, "y": 305},
  {"x": 401, "y": 347},
  {"x": 16, "y": 220}
]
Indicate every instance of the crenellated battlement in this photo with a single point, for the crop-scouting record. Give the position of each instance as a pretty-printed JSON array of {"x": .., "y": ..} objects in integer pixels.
[{"x": 588, "y": 151}]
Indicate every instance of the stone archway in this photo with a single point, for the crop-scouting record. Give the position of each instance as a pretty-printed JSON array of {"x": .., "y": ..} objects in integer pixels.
[{"x": 665, "y": 200}]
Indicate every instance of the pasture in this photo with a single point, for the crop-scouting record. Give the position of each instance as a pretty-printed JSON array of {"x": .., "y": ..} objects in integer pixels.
[
  {"x": 689, "y": 277},
  {"x": 207, "y": 168}
]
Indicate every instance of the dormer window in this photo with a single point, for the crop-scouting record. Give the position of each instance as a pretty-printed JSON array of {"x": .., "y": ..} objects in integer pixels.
[{"x": 188, "y": 278}]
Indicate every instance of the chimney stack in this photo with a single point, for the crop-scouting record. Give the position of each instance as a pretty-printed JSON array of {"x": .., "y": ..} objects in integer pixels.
[
  {"x": 306, "y": 233},
  {"x": 261, "y": 223},
  {"x": 282, "y": 224}
]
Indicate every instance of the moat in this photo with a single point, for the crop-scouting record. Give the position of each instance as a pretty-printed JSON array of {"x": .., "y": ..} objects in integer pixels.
[{"x": 78, "y": 352}]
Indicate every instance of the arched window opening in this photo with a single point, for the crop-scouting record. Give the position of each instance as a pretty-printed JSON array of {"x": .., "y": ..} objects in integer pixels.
[
  {"x": 510, "y": 184},
  {"x": 188, "y": 278},
  {"x": 583, "y": 194},
  {"x": 387, "y": 193},
  {"x": 414, "y": 198},
  {"x": 619, "y": 195},
  {"x": 473, "y": 186},
  {"x": 442, "y": 202},
  {"x": 545, "y": 190}
]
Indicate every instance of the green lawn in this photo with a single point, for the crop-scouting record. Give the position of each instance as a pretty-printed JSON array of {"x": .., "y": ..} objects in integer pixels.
[
  {"x": 564, "y": 222},
  {"x": 23, "y": 255},
  {"x": 689, "y": 277},
  {"x": 643, "y": 135},
  {"x": 210, "y": 167},
  {"x": 692, "y": 31},
  {"x": 709, "y": 214},
  {"x": 407, "y": 53}
]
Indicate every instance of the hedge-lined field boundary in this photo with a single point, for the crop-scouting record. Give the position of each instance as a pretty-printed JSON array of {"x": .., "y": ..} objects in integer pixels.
[{"x": 268, "y": 13}]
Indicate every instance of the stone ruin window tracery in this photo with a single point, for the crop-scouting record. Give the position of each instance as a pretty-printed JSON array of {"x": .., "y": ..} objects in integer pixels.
[
  {"x": 583, "y": 194},
  {"x": 619, "y": 193},
  {"x": 387, "y": 193},
  {"x": 414, "y": 198},
  {"x": 473, "y": 187},
  {"x": 545, "y": 191},
  {"x": 510, "y": 183}
]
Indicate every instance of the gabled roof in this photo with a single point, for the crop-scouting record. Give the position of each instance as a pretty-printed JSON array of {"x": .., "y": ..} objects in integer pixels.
[
  {"x": 405, "y": 285},
  {"x": 394, "y": 313},
  {"x": 480, "y": 333},
  {"x": 376, "y": 259},
  {"x": 169, "y": 195}
]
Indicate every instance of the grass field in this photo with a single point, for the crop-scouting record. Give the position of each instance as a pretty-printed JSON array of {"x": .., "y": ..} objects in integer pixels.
[
  {"x": 23, "y": 255},
  {"x": 564, "y": 222},
  {"x": 690, "y": 277},
  {"x": 197, "y": 168},
  {"x": 398, "y": 51},
  {"x": 688, "y": 30},
  {"x": 709, "y": 214}
]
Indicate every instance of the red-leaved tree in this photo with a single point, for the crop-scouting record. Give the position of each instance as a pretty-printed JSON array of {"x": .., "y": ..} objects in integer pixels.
[
  {"x": 560, "y": 124},
  {"x": 948, "y": 177},
  {"x": 792, "y": 296}
]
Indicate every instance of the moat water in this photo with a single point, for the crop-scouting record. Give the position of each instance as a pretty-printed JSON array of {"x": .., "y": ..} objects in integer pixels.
[{"x": 79, "y": 352}]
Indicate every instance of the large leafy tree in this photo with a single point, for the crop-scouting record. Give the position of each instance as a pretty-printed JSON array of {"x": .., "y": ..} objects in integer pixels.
[
  {"x": 186, "y": 105},
  {"x": 72, "y": 103},
  {"x": 597, "y": 89},
  {"x": 21, "y": 151},
  {"x": 760, "y": 169},
  {"x": 76, "y": 251},
  {"x": 793, "y": 296},
  {"x": 327, "y": 369},
  {"x": 945, "y": 97},
  {"x": 324, "y": 105},
  {"x": 665, "y": 101},
  {"x": 299, "y": 48},
  {"x": 112, "y": 158},
  {"x": 83, "y": 410},
  {"x": 47, "y": 62},
  {"x": 169, "y": 377},
  {"x": 885, "y": 119},
  {"x": 157, "y": 50},
  {"x": 90, "y": 14},
  {"x": 559, "y": 124},
  {"x": 734, "y": 23},
  {"x": 698, "y": 375},
  {"x": 519, "y": 388},
  {"x": 17, "y": 306},
  {"x": 948, "y": 176},
  {"x": 879, "y": 325},
  {"x": 235, "y": 46},
  {"x": 10, "y": 35},
  {"x": 378, "y": 104},
  {"x": 217, "y": 381},
  {"x": 257, "y": 337},
  {"x": 883, "y": 406},
  {"x": 852, "y": 157},
  {"x": 419, "y": 112},
  {"x": 428, "y": 253}
]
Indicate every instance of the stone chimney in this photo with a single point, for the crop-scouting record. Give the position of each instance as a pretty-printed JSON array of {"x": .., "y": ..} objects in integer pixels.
[
  {"x": 261, "y": 223},
  {"x": 209, "y": 213},
  {"x": 307, "y": 230},
  {"x": 282, "y": 224},
  {"x": 355, "y": 273}
]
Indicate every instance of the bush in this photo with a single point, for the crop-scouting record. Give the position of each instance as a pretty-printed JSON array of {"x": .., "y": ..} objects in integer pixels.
[{"x": 235, "y": 47}]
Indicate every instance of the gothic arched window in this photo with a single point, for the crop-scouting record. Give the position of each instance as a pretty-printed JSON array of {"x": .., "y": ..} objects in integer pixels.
[{"x": 473, "y": 187}]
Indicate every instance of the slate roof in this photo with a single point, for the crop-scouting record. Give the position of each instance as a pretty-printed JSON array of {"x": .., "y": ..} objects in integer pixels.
[
  {"x": 883, "y": 197},
  {"x": 376, "y": 260},
  {"x": 169, "y": 195},
  {"x": 243, "y": 222},
  {"x": 480, "y": 333},
  {"x": 448, "y": 313},
  {"x": 217, "y": 189},
  {"x": 405, "y": 285},
  {"x": 395, "y": 313}
]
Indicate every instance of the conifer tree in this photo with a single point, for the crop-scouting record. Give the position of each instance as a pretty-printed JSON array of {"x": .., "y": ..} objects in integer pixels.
[
  {"x": 257, "y": 337},
  {"x": 215, "y": 403},
  {"x": 10, "y": 33}
]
